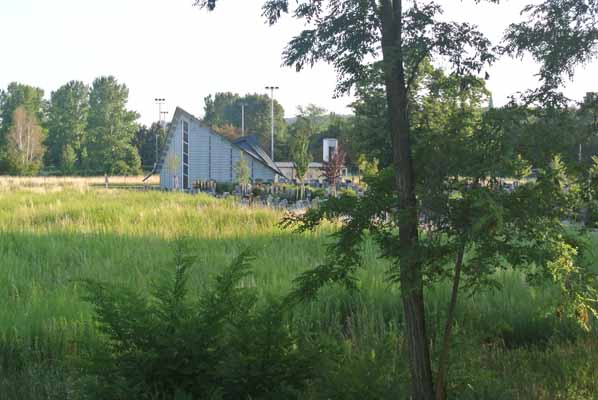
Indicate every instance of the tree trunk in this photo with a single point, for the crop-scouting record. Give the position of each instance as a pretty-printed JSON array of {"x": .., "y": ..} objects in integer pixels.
[
  {"x": 443, "y": 362},
  {"x": 410, "y": 267}
]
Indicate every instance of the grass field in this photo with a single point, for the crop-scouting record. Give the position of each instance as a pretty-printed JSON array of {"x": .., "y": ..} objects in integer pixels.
[
  {"x": 45, "y": 182},
  {"x": 508, "y": 344}
]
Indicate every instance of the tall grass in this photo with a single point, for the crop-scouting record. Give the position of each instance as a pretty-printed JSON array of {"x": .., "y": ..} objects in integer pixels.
[
  {"x": 51, "y": 238},
  {"x": 18, "y": 182}
]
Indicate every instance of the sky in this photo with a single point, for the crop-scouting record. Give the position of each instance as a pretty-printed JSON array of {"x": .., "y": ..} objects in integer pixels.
[{"x": 169, "y": 49}]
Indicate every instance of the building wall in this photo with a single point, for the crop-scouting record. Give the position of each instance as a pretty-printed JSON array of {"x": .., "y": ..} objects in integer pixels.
[
  {"x": 211, "y": 157},
  {"x": 172, "y": 165},
  {"x": 199, "y": 152},
  {"x": 261, "y": 172}
]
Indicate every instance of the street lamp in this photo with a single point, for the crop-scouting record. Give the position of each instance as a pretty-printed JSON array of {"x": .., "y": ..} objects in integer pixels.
[
  {"x": 159, "y": 101},
  {"x": 243, "y": 119},
  {"x": 272, "y": 89}
]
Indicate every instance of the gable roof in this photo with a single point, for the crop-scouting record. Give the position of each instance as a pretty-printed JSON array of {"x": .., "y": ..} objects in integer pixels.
[
  {"x": 250, "y": 145},
  {"x": 247, "y": 144}
]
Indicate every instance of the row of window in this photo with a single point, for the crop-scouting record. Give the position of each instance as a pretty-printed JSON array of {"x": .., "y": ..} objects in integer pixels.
[{"x": 185, "y": 155}]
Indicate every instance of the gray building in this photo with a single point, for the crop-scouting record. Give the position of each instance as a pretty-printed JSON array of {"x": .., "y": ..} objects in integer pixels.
[{"x": 193, "y": 152}]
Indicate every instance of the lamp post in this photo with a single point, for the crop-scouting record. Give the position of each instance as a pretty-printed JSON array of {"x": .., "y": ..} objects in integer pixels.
[
  {"x": 163, "y": 124},
  {"x": 243, "y": 119},
  {"x": 159, "y": 101},
  {"x": 272, "y": 89}
]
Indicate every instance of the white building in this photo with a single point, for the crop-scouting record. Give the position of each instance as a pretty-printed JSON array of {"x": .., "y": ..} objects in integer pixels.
[{"x": 193, "y": 152}]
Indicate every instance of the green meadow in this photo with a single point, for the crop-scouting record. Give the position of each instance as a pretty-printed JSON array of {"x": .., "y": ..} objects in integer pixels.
[{"x": 508, "y": 343}]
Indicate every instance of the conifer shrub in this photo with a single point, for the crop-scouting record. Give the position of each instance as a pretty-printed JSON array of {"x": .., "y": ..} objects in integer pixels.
[{"x": 218, "y": 344}]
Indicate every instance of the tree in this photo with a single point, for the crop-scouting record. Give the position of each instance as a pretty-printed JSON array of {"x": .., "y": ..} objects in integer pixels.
[
  {"x": 560, "y": 35},
  {"x": 366, "y": 167},
  {"x": 110, "y": 129},
  {"x": 472, "y": 224},
  {"x": 405, "y": 35},
  {"x": 588, "y": 116},
  {"x": 24, "y": 149},
  {"x": 222, "y": 108},
  {"x": 370, "y": 133},
  {"x": 228, "y": 131},
  {"x": 67, "y": 122},
  {"x": 300, "y": 138},
  {"x": 333, "y": 169},
  {"x": 243, "y": 173},
  {"x": 145, "y": 143},
  {"x": 18, "y": 95},
  {"x": 173, "y": 163},
  {"x": 225, "y": 109}
]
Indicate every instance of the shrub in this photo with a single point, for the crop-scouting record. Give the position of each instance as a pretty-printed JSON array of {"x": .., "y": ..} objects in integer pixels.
[
  {"x": 224, "y": 187},
  {"x": 221, "y": 345}
]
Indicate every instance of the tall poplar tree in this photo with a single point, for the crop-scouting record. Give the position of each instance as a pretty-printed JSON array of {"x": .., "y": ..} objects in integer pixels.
[
  {"x": 67, "y": 123},
  {"x": 111, "y": 129}
]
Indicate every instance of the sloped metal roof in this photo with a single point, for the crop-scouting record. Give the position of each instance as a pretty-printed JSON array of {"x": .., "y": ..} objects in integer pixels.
[
  {"x": 250, "y": 145},
  {"x": 247, "y": 144}
]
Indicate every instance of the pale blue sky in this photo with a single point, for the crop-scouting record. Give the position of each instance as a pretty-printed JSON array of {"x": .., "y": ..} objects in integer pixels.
[{"x": 167, "y": 48}]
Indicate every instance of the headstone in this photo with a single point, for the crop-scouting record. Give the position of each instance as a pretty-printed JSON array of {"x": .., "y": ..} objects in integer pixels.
[{"x": 315, "y": 202}]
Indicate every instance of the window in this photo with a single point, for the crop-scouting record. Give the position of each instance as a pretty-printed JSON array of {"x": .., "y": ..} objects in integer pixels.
[{"x": 185, "y": 155}]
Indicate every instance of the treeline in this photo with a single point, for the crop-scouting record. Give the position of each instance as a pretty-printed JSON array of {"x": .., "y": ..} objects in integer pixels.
[
  {"x": 80, "y": 129},
  {"x": 88, "y": 130}
]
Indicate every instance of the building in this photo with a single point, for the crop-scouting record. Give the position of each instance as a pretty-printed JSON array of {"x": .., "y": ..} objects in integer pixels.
[
  {"x": 315, "y": 171},
  {"x": 193, "y": 152}
]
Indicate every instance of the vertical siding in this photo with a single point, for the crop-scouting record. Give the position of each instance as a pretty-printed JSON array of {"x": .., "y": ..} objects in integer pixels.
[
  {"x": 173, "y": 153},
  {"x": 199, "y": 139},
  {"x": 220, "y": 159},
  {"x": 260, "y": 171},
  {"x": 210, "y": 157}
]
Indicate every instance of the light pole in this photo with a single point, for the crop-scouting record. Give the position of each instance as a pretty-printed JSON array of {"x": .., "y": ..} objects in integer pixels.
[
  {"x": 243, "y": 119},
  {"x": 159, "y": 101},
  {"x": 164, "y": 114},
  {"x": 272, "y": 89}
]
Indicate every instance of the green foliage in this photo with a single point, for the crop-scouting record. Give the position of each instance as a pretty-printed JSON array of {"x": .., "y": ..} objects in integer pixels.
[
  {"x": 222, "y": 187},
  {"x": 560, "y": 35},
  {"x": 301, "y": 132},
  {"x": 225, "y": 109},
  {"x": 370, "y": 133},
  {"x": 462, "y": 155},
  {"x": 242, "y": 171},
  {"x": 221, "y": 344},
  {"x": 67, "y": 122},
  {"x": 145, "y": 143},
  {"x": 110, "y": 129},
  {"x": 30, "y": 100},
  {"x": 366, "y": 167},
  {"x": 24, "y": 147}
]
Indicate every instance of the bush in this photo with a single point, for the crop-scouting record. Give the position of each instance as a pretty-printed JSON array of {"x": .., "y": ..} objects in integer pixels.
[
  {"x": 224, "y": 187},
  {"x": 592, "y": 217},
  {"x": 222, "y": 345}
]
